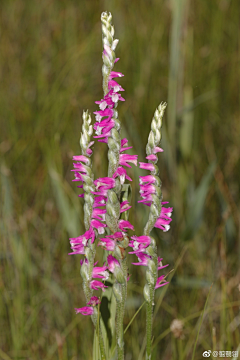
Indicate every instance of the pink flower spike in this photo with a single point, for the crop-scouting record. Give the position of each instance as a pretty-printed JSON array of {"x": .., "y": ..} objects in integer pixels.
[
  {"x": 152, "y": 157},
  {"x": 146, "y": 166},
  {"x": 157, "y": 149},
  {"x": 96, "y": 285},
  {"x": 86, "y": 310},
  {"x": 112, "y": 263},
  {"x": 125, "y": 159},
  {"x": 94, "y": 301},
  {"x": 124, "y": 224}
]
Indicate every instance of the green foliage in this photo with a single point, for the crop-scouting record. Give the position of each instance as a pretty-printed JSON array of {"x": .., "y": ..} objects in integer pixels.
[{"x": 50, "y": 67}]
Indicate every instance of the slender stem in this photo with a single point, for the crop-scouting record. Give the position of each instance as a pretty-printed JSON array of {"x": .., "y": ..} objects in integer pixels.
[
  {"x": 149, "y": 330},
  {"x": 96, "y": 323}
]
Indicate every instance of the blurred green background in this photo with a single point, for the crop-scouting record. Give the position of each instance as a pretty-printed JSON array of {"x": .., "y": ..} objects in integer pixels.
[{"x": 181, "y": 51}]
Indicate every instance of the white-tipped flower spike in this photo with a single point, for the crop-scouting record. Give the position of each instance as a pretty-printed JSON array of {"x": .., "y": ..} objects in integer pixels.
[{"x": 159, "y": 216}]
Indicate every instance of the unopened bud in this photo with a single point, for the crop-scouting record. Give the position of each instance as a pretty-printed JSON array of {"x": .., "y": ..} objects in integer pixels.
[
  {"x": 146, "y": 293},
  {"x": 150, "y": 277},
  {"x": 117, "y": 291}
]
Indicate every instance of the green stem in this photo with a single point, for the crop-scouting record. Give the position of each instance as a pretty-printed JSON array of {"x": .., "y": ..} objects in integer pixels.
[
  {"x": 119, "y": 321},
  {"x": 96, "y": 322},
  {"x": 149, "y": 328}
]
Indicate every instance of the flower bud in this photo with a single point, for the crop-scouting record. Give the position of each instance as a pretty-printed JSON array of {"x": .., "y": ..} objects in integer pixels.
[
  {"x": 89, "y": 254},
  {"x": 150, "y": 251},
  {"x": 118, "y": 273},
  {"x": 152, "y": 267},
  {"x": 150, "y": 277},
  {"x": 125, "y": 242},
  {"x": 84, "y": 272},
  {"x": 117, "y": 291},
  {"x": 146, "y": 293}
]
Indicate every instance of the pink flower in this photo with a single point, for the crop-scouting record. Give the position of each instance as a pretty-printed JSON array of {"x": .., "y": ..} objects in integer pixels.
[
  {"x": 139, "y": 243},
  {"x": 124, "y": 206},
  {"x": 164, "y": 219},
  {"x": 124, "y": 224},
  {"x": 125, "y": 159},
  {"x": 94, "y": 301},
  {"x": 100, "y": 272},
  {"x": 86, "y": 310},
  {"x": 112, "y": 263},
  {"x": 99, "y": 214},
  {"x": 99, "y": 201},
  {"x": 146, "y": 166},
  {"x": 161, "y": 266},
  {"x": 143, "y": 259},
  {"x": 148, "y": 178},
  {"x": 95, "y": 285},
  {"x": 122, "y": 173},
  {"x": 105, "y": 183},
  {"x": 114, "y": 74},
  {"x": 107, "y": 112},
  {"x": 77, "y": 249},
  {"x": 157, "y": 149},
  {"x": 107, "y": 243},
  {"x": 81, "y": 158},
  {"x": 83, "y": 239},
  {"x": 147, "y": 189},
  {"x": 112, "y": 84},
  {"x": 124, "y": 142},
  {"x": 161, "y": 282},
  {"x": 98, "y": 225},
  {"x": 152, "y": 157}
]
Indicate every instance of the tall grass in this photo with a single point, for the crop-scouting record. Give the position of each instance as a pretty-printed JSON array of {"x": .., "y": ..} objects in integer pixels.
[{"x": 50, "y": 67}]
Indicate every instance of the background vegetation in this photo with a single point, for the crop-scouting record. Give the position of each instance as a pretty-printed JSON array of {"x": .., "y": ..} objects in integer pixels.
[{"x": 181, "y": 51}]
